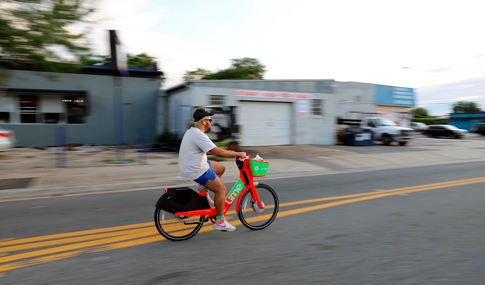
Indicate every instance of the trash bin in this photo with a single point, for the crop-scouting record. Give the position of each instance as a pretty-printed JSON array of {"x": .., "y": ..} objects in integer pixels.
[{"x": 358, "y": 137}]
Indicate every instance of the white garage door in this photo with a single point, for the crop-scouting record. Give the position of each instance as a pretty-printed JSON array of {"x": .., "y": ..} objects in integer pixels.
[{"x": 265, "y": 123}]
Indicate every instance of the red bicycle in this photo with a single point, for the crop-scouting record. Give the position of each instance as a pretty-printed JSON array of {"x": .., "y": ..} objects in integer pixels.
[{"x": 181, "y": 212}]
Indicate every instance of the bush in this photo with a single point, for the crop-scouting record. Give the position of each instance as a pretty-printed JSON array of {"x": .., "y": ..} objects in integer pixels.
[
  {"x": 216, "y": 158},
  {"x": 223, "y": 144},
  {"x": 430, "y": 121},
  {"x": 166, "y": 138}
]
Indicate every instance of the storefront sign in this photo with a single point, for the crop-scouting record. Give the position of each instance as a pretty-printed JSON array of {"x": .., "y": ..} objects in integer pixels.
[
  {"x": 269, "y": 94},
  {"x": 402, "y": 96},
  {"x": 394, "y": 95}
]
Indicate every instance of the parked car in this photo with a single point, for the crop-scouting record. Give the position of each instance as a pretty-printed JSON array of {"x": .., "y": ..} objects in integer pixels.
[
  {"x": 445, "y": 131},
  {"x": 419, "y": 127},
  {"x": 7, "y": 139},
  {"x": 387, "y": 131},
  {"x": 479, "y": 129}
]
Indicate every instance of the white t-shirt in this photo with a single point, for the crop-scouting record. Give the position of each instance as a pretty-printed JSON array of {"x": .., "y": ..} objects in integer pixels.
[{"x": 192, "y": 154}]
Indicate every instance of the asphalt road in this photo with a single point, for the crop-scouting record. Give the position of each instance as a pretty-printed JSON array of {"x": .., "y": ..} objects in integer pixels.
[{"x": 406, "y": 226}]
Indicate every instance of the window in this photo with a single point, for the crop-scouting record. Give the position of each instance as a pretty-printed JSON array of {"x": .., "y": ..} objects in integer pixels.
[
  {"x": 316, "y": 108},
  {"x": 4, "y": 117},
  {"x": 43, "y": 107},
  {"x": 450, "y": 127},
  {"x": 53, "y": 110},
  {"x": 28, "y": 109},
  {"x": 5, "y": 109},
  {"x": 76, "y": 110},
  {"x": 216, "y": 100},
  {"x": 385, "y": 122},
  {"x": 51, "y": 118}
]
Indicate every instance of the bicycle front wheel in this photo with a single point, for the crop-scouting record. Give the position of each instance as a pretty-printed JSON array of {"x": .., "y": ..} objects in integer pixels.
[
  {"x": 177, "y": 228},
  {"x": 251, "y": 215}
]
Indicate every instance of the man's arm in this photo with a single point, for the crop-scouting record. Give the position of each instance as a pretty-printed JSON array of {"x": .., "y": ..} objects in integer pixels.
[{"x": 225, "y": 153}]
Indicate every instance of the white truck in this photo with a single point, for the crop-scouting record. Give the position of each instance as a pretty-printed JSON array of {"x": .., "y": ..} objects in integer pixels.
[{"x": 387, "y": 131}]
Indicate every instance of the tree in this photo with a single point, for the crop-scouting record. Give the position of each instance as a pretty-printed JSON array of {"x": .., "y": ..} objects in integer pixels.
[
  {"x": 142, "y": 60},
  {"x": 241, "y": 68},
  {"x": 43, "y": 31},
  {"x": 197, "y": 74},
  {"x": 419, "y": 112},
  {"x": 466, "y": 107},
  {"x": 100, "y": 60}
]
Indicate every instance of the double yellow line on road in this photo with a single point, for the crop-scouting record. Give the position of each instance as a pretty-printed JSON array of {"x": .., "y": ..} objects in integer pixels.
[
  {"x": 55, "y": 247},
  {"x": 377, "y": 194}
]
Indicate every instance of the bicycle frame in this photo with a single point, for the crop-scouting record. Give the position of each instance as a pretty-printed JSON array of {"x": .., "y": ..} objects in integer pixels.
[{"x": 244, "y": 184}]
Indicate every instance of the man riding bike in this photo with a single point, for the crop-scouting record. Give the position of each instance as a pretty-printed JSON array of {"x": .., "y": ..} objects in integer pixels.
[{"x": 193, "y": 163}]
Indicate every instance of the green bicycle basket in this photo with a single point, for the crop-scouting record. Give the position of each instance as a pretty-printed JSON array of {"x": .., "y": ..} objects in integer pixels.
[{"x": 258, "y": 168}]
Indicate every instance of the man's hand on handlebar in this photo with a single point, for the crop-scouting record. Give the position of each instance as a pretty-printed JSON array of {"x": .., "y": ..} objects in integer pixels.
[{"x": 242, "y": 154}]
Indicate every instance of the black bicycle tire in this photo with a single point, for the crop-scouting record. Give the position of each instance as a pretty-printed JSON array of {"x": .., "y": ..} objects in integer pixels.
[
  {"x": 270, "y": 220},
  {"x": 173, "y": 238}
]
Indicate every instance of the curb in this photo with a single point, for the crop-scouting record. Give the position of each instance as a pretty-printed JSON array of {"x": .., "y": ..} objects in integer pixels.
[
  {"x": 37, "y": 193},
  {"x": 41, "y": 193}
]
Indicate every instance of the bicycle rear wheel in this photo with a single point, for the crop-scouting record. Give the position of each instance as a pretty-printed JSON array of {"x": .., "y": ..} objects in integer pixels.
[
  {"x": 177, "y": 228},
  {"x": 251, "y": 215}
]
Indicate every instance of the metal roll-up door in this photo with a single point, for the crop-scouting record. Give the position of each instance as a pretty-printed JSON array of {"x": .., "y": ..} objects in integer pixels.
[{"x": 265, "y": 123}]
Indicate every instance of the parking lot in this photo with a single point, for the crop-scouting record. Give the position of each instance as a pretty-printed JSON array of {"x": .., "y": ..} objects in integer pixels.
[{"x": 419, "y": 143}]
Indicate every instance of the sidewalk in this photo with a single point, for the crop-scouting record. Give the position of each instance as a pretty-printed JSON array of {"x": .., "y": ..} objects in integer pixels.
[{"x": 32, "y": 172}]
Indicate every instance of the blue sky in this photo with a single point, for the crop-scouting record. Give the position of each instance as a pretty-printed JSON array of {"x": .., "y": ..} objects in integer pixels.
[{"x": 436, "y": 47}]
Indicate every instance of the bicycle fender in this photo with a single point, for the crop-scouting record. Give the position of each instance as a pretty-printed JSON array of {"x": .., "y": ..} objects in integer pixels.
[{"x": 163, "y": 198}]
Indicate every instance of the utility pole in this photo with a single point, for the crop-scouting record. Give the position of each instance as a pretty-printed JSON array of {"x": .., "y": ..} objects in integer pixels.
[{"x": 119, "y": 67}]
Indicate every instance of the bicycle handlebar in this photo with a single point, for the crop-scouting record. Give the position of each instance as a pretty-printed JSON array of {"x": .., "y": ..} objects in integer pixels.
[{"x": 242, "y": 158}]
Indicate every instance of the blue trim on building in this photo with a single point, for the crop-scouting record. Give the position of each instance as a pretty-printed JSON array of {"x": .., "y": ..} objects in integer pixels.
[
  {"x": 467, "y": 116},
  {"x": 466, "y": 121}
]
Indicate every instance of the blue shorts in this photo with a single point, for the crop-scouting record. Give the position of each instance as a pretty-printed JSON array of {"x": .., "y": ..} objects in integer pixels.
[{"x": 208, "y": 175}]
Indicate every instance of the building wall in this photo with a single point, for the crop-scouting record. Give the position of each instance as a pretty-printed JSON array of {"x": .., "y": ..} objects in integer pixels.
[
  {"x": 180, "y": 111},
  {"x": 305, "y": 129},
  {"x": 162, "y": 108},
  {"x": 140, "y": 107},
  {"x": 354, "y": 99},
  {"x": 347, "y": 100},
  {"x": 466, "y": 120},
  {"x": 139, "y": 97},
  {"x": 464, "y": 124},
  {"x": 394, "y": 109}
]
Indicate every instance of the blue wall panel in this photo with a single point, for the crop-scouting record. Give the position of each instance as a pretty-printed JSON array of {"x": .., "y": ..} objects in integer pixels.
[
  {"x": 462, "y": 124},
  {"x": 391, "y": 95}
]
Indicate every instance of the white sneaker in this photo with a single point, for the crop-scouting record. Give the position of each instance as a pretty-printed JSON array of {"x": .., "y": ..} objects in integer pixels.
[{"x": 225, "y": 226}]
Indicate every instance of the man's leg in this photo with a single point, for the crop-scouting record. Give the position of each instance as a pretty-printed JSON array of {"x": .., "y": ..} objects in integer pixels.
[
  {"x": 218, "y": 168},
  {"x": 219, "y": 190},
  {"x": 214, "y": 184}
]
